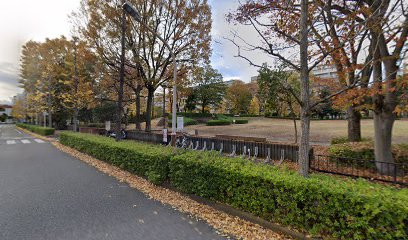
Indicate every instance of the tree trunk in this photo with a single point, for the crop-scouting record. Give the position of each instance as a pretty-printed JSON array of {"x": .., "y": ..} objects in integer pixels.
[
  {"x": 138, "y": 118},
  {"x": 305, "y": 96},
  {"x": 354, "y": 124},
  {"x": 292, "y": 113},
  {"x": 50, "y": 120},
  {"x": 383, "y": 123},
  {"x": 150, "y": 96},
  {"x": 295, "y": 125}
]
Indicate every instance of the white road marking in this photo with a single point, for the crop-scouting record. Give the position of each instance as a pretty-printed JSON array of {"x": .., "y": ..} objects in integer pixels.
[
  {"x": 11, "y": 142},
  {"x": 25, "y": 141},
  {"x": 39, "y": 140},
  {"x": 18, "y": 131}
]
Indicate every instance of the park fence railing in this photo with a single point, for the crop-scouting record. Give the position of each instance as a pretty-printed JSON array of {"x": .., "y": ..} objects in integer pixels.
[
  {"x": 396, "y": 173},
  {"x": 248, "y": 149}
]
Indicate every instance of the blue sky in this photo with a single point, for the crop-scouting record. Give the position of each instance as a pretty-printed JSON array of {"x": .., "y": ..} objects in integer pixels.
[{"x": 22, "y": 20}]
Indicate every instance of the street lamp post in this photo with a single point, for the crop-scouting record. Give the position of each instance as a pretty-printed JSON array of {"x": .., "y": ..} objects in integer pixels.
[
  {"x": 76, "y": 83},
  {"x": 136, "y": 16}
]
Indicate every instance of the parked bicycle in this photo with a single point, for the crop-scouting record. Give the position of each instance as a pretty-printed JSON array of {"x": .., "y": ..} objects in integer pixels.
[
  {"x": 112, "y": 134},
  {"x": 184, "y": 142}
]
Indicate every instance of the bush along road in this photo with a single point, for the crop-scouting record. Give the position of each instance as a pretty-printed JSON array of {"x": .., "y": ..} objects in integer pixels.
[{"x": 321, "y": 205}]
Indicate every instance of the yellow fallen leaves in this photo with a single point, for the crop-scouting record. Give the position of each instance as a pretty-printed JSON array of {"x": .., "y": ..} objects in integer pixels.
[{"x": 224, "y": 223}]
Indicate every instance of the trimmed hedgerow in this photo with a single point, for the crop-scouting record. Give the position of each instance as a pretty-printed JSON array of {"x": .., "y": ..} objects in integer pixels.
[
  {"x": 365, "y": 151},
  {"x": 321, "y": 205},
  {"x": 45, "y": 131},
  {"x": 241, "y": 121},
  {"x": 344, "y": 139},
  {"x": 147, "y": 160},
  {"x": 221, "y": 122},
  {"x": 187, "y": 122},
  {"x": 195, "y": 115}
]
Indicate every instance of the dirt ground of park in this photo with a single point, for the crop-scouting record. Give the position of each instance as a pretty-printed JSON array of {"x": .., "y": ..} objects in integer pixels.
[{"x": 281, "y": 130}]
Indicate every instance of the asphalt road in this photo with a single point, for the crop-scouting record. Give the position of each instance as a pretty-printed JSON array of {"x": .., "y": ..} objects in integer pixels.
[{"x": 47, "y": 194}]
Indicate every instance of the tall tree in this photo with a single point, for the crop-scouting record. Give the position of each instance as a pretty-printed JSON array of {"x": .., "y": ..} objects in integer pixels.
[
  {"x": 283, "y": 26},
  {"x": 238, "y": 98},
  {"x": 209, "y": 88},
  {"x": 281, "y": 89},
  {"x": 387, "y": 22},
  {"x": 287, "y": 28},
  {"x": 185, "y": 25}
]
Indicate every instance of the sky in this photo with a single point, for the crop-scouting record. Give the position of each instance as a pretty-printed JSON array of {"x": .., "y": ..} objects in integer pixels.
[{"x": 24, "y": 20}]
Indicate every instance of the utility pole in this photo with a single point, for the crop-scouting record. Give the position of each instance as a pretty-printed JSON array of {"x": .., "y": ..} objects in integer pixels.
[
  {"x": 76, "y": 83},
  {"x": 49, "y": 103},
  {"x": 121, "y": 79},
  {"x": 164, "y": 107}
]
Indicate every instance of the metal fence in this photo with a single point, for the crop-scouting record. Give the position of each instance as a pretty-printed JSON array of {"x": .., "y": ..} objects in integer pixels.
[
  {"x": 273, "y": 151},
  {"x": 145, "y": 136},
  {"x": 396, "y": 173}
]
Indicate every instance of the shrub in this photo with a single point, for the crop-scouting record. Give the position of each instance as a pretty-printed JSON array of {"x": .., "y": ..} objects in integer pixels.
[
  {"x": 195, "y": 115},
  {"x": 221, "y": 122},
  {"x": 96, "y": 125},
  {"x": 187, "y": 121},
  {"x": 45, "y": 131},
  {"x": 365, "y": 151},
  {"x": 250, "y": 115},
  {"x": 147, "y": 160},
  {"x": 241, "y": 121},
  {"x": 320, "y": 204},
  {"x": 344, "y": 139}
]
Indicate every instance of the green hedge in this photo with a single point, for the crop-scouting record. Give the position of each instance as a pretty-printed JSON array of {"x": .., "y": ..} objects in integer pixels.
[
  {"x": 187, "y": 122},
  {"x": 147, "y": 160},
  {"x": 195, "y": 115},
  {"x": 241, "y": 121},
  {"x": 365, "y": 151},
  {"x": 250, "y": 115},
  {"x": 220, "y": 122},
  {"x": 344, "y": 139},
  {"x": 45, "y": 131},
  {"x": 96, "y": 125},
  {"x": 320, "y": 204}
]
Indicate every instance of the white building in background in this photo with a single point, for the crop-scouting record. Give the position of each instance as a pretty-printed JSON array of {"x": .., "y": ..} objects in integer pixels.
[
  {"x": 325, "y": 72},
  {"x": 6, "y": 109}
]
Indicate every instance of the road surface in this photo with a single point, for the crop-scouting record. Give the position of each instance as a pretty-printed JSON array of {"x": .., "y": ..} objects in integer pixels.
[{"x": 47, "y": 194}]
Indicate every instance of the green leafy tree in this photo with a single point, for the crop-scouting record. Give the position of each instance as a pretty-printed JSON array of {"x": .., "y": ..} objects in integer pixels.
[
  {"x": 280, "y": 88},
  {"x": 210, "y": 88},
  {"x": 238, "y": 98}
]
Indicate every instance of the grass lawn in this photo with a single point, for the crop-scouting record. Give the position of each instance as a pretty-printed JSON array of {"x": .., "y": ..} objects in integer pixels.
[{"x": 281, "y": 130}]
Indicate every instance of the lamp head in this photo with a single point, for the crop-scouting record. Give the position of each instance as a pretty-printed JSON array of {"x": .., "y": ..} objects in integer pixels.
[{"x": 129, "y": 9}]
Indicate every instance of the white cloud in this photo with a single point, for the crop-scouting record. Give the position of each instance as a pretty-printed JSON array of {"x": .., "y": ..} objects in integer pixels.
[
  {"x": 224, "y": 52},
  {"x": 23, "y": 20}
]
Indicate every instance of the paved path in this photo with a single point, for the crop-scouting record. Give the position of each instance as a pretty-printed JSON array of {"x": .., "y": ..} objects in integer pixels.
[{"x": 46, "y": 194}]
